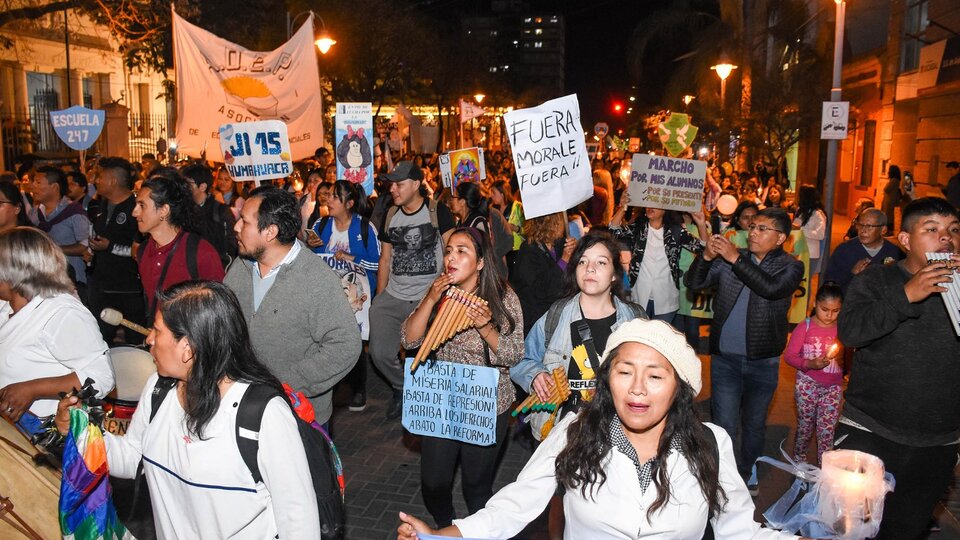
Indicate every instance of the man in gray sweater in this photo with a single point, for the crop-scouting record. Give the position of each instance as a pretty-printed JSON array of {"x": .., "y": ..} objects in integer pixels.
[{"x": 300, "y": 323}]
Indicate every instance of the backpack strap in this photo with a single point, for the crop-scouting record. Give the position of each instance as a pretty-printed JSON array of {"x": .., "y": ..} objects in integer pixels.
[
  {"x": 249, "y": 417},
  {"x": 364, "y": 230},
  {"x": 193, "y": 246},
  {"x": 553, "y": 319},
  {"x": 390, "y": 213},
  {"x": 321, "y": 224},
  {"x": 434, "y": 220},
  {"x": 160, "y": 391}
]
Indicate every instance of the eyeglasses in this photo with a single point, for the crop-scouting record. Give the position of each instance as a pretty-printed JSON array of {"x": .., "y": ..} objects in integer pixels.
[
  {"x": 763, "y": 228},
  {"x": 867, "y": 225}
]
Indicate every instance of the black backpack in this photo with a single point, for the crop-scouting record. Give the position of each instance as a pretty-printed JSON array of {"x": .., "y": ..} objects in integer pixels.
[{"x": 319, "y": 450}]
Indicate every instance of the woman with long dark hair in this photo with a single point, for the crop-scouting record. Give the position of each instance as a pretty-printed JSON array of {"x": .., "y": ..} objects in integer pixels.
[
  {"x": 743, "y": 216},
  {"x": 538, "y": 271},
  {"x": 501, "y": 198},
  {"x": 199, "y": 485},
  {"x": 495, "y": 339},
  {"x": 811, "y": 219},
  {"x": 635, "y": 462},
  {"x": 470, "y": 206}
]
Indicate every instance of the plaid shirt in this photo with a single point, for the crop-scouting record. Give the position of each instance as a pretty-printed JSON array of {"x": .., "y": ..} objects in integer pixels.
[{"x": 644, "y": 470}]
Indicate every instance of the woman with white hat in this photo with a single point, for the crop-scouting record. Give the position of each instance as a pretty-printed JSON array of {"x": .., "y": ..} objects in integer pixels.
[{"x": 635, "y": 462}]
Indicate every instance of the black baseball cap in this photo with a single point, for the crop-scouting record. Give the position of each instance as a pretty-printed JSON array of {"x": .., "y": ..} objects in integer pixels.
[{"x": 405, "y": 170}]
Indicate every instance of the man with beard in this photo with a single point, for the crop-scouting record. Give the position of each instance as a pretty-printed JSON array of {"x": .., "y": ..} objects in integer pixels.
[{"x": 301, "y": 324}]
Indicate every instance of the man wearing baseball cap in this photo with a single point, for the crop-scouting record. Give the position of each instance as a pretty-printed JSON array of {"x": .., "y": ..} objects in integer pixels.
[{"x": 413, "y": 236}]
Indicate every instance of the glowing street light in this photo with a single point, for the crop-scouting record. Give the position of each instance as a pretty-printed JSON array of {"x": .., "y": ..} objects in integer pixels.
[
  {"x": 479, "y": 97},
  {"x": 723, "y": 70},
  {"x": 325, "y": 42},
  {"x": 687, "y": 99}
]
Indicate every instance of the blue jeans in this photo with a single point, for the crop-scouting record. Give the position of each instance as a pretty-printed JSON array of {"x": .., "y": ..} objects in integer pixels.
[{"x": 741, "y": 392}]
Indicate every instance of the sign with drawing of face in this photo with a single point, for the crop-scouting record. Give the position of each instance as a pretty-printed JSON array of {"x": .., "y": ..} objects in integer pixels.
[
  {"x": 354, "y": 144},
  {"x": 356, "y": 287}
]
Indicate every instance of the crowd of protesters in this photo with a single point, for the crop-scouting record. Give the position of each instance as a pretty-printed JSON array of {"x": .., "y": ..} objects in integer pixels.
[{"x": 876, "y": 359}]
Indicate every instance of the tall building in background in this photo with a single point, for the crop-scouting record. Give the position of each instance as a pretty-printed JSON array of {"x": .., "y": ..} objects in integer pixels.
[{"x": 526, "y": 49}]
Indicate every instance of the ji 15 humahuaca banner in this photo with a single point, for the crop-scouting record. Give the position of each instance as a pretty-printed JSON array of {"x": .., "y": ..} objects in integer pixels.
[
  {"x": 550, "y": 154},
  {"x": 219, "y": 82}
]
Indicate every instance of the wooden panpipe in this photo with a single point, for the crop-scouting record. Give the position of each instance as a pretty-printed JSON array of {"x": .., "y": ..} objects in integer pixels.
[
  {"x": 951, "y": 298},
  {"x": 560, "y": 393},
  {"x": 451, "y": 319}
]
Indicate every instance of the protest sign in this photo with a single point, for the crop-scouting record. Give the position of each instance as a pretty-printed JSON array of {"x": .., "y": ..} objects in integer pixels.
[
  {"x": 677, "y": 133},
  {"x": 666, "y": 182},
  {"x": 220, "y": 82},
  {"x": 464, "y": 165},
  {"x": 451, "y": 401},
  {"x": 255, "y": 151},
  {"x": 550, "y": 155},
  {"x": 356, "y": 285},
  {"x": 78, "y": 127},
  {"x": 354, "y": 148}
]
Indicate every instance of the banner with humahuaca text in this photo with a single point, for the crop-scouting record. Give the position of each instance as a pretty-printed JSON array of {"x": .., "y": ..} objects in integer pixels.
[
  {"x": 451, "y": 401},
  {"x": 550, "y": 155},
  {"x": 219, "y": 82},
  {"x": 666, "y": 182}
]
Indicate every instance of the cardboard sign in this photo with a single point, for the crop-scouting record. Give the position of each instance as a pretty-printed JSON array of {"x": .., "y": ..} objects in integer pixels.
[
  {"x": 666, "y": 182},
  {"x": 355, "y": 144},
  {"x": 833, "y": 123},
  {"x": 464, "y": 165},
  {"x": 254, "y": 151},
  {"x": 356, "y": 285},
  {"x": 550, "y": 154},
  {"x": 677, "y": 133},
  {"x": 78, "y": 127},
  {"x": 451, "y": 401}
]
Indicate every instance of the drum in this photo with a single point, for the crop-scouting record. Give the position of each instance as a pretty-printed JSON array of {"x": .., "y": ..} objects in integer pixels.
[
  {"x": 33, "y": 491},
  {"x": 131, "y": 367}
]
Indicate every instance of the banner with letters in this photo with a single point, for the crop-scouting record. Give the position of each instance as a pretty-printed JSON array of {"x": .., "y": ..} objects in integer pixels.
[
  {"x": 356, "y": 285},
  {"x": 219, "y": 82},
  {"x": 667, "y": 183},
  {"x": 254, "y": 151},
  {"x": 550, "y": 155},
  {"x": 451, "y": 401},
  {"x": 354, "y": 143}
]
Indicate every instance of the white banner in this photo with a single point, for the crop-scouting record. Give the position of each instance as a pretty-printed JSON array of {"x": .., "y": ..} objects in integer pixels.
[
  {"x": 219, "y": 82},
  {"x": 254, "y": 151},
  {"x": 550, "y": 154}
]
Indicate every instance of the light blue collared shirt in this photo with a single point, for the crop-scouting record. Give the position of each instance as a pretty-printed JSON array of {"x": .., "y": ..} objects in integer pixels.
[{"x": 262, "y": 284}]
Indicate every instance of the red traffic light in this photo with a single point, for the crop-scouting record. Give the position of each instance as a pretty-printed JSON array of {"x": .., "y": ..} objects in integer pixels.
[{"x": 618, "y": 107}]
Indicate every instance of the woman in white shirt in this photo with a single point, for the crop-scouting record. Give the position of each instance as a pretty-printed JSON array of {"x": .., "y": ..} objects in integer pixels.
[
  {"x": 199, "y": 485},
  {"x": 655, "y": 240},
  {"x": 634, "y": 463},
  {"x": 49, "y": 342},
  {"x": 812, "y": 221}
]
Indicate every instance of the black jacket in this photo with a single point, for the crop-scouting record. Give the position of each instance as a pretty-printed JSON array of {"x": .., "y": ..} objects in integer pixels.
[
  {"x": 906, "y": 369},
  {"x": 216, "y": 227},
  {"x": 537, "y": 279},
  {"x": 772, "y": 284}
]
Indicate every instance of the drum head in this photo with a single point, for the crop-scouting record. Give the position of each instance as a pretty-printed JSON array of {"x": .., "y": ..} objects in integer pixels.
[{"x": 131, "y": 367}]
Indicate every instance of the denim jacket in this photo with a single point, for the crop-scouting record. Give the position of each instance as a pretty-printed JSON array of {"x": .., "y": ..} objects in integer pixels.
[{"x": 540, "y": 357}]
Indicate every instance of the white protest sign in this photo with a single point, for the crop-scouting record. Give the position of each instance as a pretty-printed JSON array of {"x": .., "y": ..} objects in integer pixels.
[
  {"x": 356, "y": 285},
  {"x": 667, "y": 183},
  {"x": 254, "y": 151},
  {"x": 550, "y": 154},
  {"x": 833, "y": 123},
  {"x": 451, "y": 401}
]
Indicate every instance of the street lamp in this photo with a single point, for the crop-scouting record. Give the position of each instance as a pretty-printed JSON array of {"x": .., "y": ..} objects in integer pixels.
[
  {"x": 687, "y": 99},
  {"x": 479, "y": 98},
  {"x": 324, "y": 42},
  {"x": 723, "y": 69},
  {"x": 831, "y": 166}
]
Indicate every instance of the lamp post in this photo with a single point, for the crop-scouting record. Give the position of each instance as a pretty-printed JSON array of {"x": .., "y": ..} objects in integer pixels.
[
  {"x": 832, "y": 144},
  {"x": 723, "y": 69},
  {"x": 324, "y": 42}
]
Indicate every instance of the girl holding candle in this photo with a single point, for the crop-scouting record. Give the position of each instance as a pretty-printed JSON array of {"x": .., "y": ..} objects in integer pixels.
[
  {"x": 635, "y": 462},
  {"x": 815, "y": 352},
  {"x": 495, "y": 339}
]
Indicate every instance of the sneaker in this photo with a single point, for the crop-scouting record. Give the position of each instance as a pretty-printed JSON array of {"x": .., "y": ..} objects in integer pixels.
[
  {"x": 395, "y": 410},
  {"x": 359, "y": 402},
  {"x": 754, "y": 489}
]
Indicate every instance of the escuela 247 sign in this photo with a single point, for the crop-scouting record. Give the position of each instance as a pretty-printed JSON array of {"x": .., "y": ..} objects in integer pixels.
[
  {"x": 78, "y": 127},
  {"x": 667, "y": 183},
  {"x": 550, "y": 155}
]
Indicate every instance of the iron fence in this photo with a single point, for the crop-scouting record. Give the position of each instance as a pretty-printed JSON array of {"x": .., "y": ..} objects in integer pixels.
[{"x": 148, "y": 134}]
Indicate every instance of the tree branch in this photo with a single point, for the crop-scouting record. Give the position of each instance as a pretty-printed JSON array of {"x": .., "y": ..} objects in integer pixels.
[{"x": 32, "y": 12}]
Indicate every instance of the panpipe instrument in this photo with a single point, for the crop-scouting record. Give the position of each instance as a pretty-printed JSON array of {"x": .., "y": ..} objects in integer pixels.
[
  {"x": 559, "y": 394},
  {"x": 451, "y": 319},
  {"x": 951, "y": 298}
]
